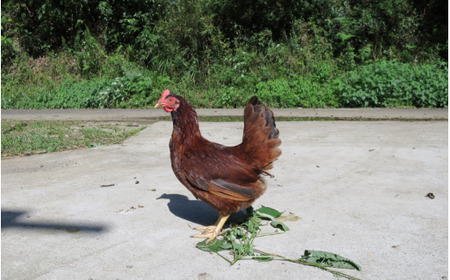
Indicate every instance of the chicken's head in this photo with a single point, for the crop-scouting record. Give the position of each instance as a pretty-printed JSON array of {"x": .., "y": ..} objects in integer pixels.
[{"x": 168, "y": 102}]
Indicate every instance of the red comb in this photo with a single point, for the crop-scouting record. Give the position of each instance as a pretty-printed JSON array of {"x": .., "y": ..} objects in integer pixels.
[{"x": 165, "y": 93}]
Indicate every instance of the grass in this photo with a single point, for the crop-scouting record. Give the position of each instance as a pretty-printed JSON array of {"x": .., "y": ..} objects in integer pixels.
[{"x": 21, "y": 138}]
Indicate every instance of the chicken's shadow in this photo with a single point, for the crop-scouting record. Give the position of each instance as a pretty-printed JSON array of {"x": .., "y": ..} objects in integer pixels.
[{"x": 194, "y": 211}]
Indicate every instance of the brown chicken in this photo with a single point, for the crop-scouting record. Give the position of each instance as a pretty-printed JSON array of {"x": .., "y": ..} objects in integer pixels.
[{"x": 227, "y": 178}]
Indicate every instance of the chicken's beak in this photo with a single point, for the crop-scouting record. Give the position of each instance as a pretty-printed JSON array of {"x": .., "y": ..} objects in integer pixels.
[{"x": 159, "y": 104}]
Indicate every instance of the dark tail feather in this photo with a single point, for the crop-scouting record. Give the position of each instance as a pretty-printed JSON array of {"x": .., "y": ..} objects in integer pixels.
[{"x": 261, "y": 136}]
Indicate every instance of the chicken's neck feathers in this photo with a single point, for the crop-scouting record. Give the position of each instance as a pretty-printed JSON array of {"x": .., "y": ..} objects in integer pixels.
[{"x": 185, "y": 122}]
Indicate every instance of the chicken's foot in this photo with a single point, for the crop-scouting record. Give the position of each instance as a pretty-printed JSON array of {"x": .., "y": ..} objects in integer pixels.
[
  {"x": 207, "y": 229},
  {"x": 211, "y": 232}
]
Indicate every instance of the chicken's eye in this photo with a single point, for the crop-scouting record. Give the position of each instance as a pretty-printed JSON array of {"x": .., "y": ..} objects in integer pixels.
[{"x": 170, "y": 99}]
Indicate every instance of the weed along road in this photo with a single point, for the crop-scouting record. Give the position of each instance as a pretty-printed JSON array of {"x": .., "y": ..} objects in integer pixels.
[{"x": 360, "y": 189}]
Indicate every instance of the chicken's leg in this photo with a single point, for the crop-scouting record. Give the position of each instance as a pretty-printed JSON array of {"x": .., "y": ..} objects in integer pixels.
[{"x": 211, "y": 232}]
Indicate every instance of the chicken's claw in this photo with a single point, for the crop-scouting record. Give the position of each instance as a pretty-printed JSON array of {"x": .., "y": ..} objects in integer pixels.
[
  {"x": 211, "y": 236},
  {"x": 211, "y": 232},
  {"x": 206, "y": 230}
]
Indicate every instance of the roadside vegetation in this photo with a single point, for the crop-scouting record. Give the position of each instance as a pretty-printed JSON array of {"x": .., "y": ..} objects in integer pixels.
[
  {"x": 118, "y": 54},
  {"x": 27, "y": 138}
]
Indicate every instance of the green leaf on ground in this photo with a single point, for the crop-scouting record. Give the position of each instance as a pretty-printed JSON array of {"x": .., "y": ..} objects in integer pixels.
[
  {"x": 215, "y": 245},
  {"x": 279, "y": 225},
  {"x": 328, "y": 259},
  {"x": 267, "y": 213}
]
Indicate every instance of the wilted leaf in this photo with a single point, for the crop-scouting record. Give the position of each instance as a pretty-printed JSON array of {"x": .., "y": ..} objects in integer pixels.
[
  {"x": 328, "y": 259},
  {"x": 267, "y": 213},
  {"x": 227, "y": 245},
  {"x": 249, "y": 225},
  {"x": 237, "y": 248},
  {"x": 215, "y": 245},
  {"x": 280, "y": 225},
  {"x": 288, "y": 218},
  {"x": 239, "y": 232}
]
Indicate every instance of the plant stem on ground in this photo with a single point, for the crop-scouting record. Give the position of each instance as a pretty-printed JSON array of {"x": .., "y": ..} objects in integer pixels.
[
  {"x": 239, "y": 241},
  {"x": 336, "y": 273}
]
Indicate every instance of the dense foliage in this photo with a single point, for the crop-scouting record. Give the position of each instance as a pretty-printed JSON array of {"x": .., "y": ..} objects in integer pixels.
[{"x": 314, "y": 53}]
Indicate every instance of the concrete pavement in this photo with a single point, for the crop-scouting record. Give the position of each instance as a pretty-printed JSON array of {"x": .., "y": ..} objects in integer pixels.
[
  {"x": 118, "y": 212},
  {"x": 150, "y": 115}
]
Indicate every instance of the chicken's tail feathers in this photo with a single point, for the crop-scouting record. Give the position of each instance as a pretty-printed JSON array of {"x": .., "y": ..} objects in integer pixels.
[{"x": 261, "y": 136}]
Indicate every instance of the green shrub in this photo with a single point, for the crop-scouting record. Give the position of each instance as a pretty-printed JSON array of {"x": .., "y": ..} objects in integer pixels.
[
  {"x": 9, "y": 47},
  {"x": 69, "y": 94},
  {"x": 278, "y": 93},
  {"x": 394, "y": 84},
  {"x": 134, "y": 89},
  {"x": 230, "y": 97},
  {"x": 431, "y": 85},
  {"x": 296, "y": 92}
]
